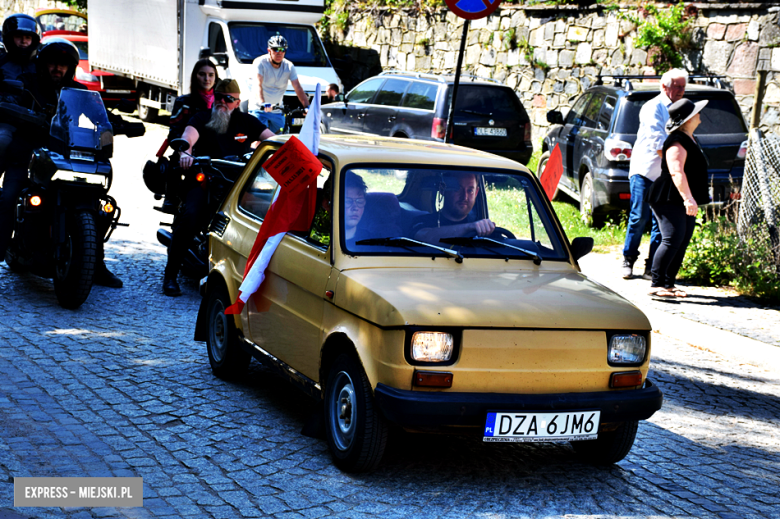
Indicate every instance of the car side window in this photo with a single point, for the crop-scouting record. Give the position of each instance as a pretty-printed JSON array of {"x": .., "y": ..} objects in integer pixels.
[
  {"x": 574, "y": 115},
  {"x": 391, "y": 93},
  {"x": 421, "y": 95},
  {"x": 258, "y": 192},
  {"x": 216, "y": 39},
  {"x": 591, "y": 113},
  {"x": 364, "y": 92},
  {"x": 607, "y": 109}
]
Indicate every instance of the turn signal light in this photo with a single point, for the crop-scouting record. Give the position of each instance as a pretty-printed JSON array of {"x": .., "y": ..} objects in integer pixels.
[
  {"x": 108, "y": 208},
  {"x": 624, "y": 196},
  {"x": 35, "y": 201},
  {"x": 200, "y": 177},
  {"x": 432, "y": 379},
  {"x": 625, "y": 379}
]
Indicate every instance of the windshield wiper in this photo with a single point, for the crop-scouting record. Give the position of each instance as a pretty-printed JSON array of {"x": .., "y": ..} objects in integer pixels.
[
  {"x": 481, "y": 240},
  {"x": 474, "y": 112},
  {"x": 401, "y": 241}
]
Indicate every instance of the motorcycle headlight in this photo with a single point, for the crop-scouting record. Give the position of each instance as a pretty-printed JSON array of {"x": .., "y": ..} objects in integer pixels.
[
  {"x": 626, "y": 348},
  {"x": 432, "y": 346}
]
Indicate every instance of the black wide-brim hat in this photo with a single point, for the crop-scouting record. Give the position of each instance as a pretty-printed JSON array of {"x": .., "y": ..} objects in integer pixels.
[{"x": 680, "y": 112}]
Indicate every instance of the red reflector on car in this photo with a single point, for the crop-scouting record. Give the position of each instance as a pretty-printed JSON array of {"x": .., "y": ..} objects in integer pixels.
[
  {"x": 432, "y": 379},
  {"x": 625, "y": 379},
  {"x": 624, "y": 196},
  {"x": 438, "y": 128}
]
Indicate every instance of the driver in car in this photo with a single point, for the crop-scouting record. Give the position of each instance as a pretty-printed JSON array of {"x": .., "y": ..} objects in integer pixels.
[{"x": 455, "y": 218}]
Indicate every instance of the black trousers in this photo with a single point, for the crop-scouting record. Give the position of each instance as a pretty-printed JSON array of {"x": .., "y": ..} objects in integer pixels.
[
  {"x": 676, "y": 232},
  {"x": 187, "y": 224},
  {"x": 14, "y": 181}
]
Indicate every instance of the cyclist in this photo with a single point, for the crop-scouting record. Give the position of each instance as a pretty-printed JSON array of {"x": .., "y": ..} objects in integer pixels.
[{"x": 273, "y": 73}]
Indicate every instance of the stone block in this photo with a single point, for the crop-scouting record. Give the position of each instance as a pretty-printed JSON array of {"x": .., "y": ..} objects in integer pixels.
[
  {"x": 552, "y": 58},
  {"x": 518, "y": 19},
  {"x": 540, "y": 55},
  {"x": 487, "y": 58},
  {"x": 407, "y": 37},
  {"x": 744, "y": 61},
  {"x": 585, "y": 83},
  {"x": 537, "y": 38},
  {"x": 572, "y": 87},
  {"x": 626, "y": 27},
  {"x": 560, "y": 40},
  {"x": 716, "y": 31},
  {"x": 411, "y": 62},
  {"x": 539, "y": 102},
  {"x": 566, "y": 58},
  {"x": 744, "y": 87},
  {"x": 552, "y": 103},
  {"x": 549, "y": 31},
  {"x": 560, "y": 26},
  {"x": 716, "y": 56},
  {"x": 752, "y": 30},
  {"x": 501, "y": 58},
  {"x": 536, "y": 87},
  {"x": 563, "y": 74},
  {"x": 611, "y": 34},
  {"x": 772, "y": 93},
  {"x": 769, "y": 35},
  {"x": 513, "y": 58},
  {"x": 506, "y": 23},
  {"x": 525, "y": 84},
  {"x": 472, "y": 54},
  {"x": 584, "y": 52},
  {"x": 638, "y": 57},
  {"x": 534, "y": 22},
  {"x": 422, "y": 63},
  {"x": 539, "y": 74},
  {"x": 590, "y": 71},
  {"x": 482, "y": 23},
  {"x": 598, "y": 38},
  {"x": 527, "y": 96},
  {"x": 383, "y": 55},
  {"x": 736, "y": 32},
  {"x": 599, "y": 22},
  {"x": 494, "y": 20},
  {"x": 558, "y": 87},
  {"x": 577, "y": 34},
  {"x": 406, "y": 47},
  {"x": 600, "y": 56}
]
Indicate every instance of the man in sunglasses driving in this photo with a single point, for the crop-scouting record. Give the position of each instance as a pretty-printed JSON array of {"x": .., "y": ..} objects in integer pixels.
[
  {"x": 273, "y": 73},
  {"x": 221, "y": 132}
]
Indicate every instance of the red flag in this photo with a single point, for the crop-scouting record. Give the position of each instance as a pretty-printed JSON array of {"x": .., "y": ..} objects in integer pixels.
[{"x": 552, "y": 172}]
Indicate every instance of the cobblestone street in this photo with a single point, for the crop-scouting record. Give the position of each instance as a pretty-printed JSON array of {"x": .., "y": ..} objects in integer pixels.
[{"x": 119, "y": 388}]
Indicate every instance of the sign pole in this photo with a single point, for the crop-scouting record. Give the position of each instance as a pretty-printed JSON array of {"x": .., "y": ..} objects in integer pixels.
[{"x": 450, "y": 118}]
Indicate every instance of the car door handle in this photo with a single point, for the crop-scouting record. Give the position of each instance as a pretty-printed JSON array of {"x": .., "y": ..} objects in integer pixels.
[
  {"x": 391, "y": 119},
  {"x": 360, "y": 116}
]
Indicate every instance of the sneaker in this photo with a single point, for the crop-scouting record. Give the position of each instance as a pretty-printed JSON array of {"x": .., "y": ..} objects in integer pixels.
[
  {"x": 648, "y": 274},
  {"x": 171, "y": 286},
  {"x": 628, "y": 268},
  {"x": 106, "y": 278}
]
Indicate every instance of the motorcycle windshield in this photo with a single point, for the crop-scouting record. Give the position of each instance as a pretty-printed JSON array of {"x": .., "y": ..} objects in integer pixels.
[{"x": 81, "y": 121}]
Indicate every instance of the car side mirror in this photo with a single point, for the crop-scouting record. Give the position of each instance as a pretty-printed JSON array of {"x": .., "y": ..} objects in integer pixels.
[
  {"x": 221, "y": 58},
  {"x": 581, "y": 246},
  {"x": 205, "y": 52},
  {"x": 181, "y": 145},
  {"x": 554, "y": 117}
]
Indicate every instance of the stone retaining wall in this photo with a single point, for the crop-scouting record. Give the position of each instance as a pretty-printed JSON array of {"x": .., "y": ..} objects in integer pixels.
[{"x": 576, "y": 44}]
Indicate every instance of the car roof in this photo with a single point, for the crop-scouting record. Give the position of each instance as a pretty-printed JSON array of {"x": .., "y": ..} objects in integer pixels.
[
  {"x": 653, "y": 87},
  {"x": 442, "y": 78},
  {"x": 355, "y": 149}
]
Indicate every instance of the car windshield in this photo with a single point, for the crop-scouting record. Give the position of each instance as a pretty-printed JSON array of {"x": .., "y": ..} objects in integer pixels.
[
  {"x": 62, "y": 22},
  {"x": 420, "y": 207},
  {"x": 250, "y": 40},
  {"x": 721, "y": 115}
]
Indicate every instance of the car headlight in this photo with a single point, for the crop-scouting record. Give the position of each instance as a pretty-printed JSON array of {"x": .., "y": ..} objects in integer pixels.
[
  {"x": 627, "y": 349},
  {"x": 85, "y": 76},
  {"x": 432, "y": 346}
]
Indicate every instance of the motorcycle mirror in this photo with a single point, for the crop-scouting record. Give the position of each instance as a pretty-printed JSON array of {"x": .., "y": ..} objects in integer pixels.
[
  {"x": 12, "y": 87},
  {"x": 126, "y": 106},
  {"x": 179, "y": 145}
]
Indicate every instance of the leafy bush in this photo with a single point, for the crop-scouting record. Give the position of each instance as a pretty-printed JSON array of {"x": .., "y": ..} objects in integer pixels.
[
  {"x": 665, "y": 33},
  {"x": 717, "y": 256}
]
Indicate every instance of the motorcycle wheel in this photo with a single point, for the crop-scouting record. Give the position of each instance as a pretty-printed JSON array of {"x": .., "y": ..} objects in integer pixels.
[
  {"x": 12, "y": 260},
  {"x": 74, "y": 269}
]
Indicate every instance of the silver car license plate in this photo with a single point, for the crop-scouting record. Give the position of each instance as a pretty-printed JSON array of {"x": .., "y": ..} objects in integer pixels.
[
  {"x": 542, "y": 427},
  {"x": 491, "y": 132}
]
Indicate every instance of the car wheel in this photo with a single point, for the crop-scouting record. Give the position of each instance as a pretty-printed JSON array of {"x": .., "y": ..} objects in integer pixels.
[
  {"x": 226, "y": 357},
  {"x": 540, "y": 169},
  {"x": 146, "y": 113},
  {"x": 355, "y": 429},
  {"x": 610, "y": 447},
  {"x": 587, "y": 197}
]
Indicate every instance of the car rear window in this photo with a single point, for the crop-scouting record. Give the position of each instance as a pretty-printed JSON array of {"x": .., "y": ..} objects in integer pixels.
[
  {"x": 721, "y": 115},
  {"x": 486, "y": 99},
  {"x": 421, "y": 95}
]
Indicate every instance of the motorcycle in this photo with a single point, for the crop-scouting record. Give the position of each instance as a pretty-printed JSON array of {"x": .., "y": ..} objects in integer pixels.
[
  {"x": 171, "y": 183},
  {"x": 65, "y": 208}
]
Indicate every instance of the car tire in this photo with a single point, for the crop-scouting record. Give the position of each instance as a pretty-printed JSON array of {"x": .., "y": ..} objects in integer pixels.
[
  {"x": 355, "y": 429},
  {"x": 228, "y": 360},
  {"x": 146, "y": 113},
  {"x": 540, "y": 169},
  {"x": 587, "y": 202},
  {"x": 610, "y": 447}
]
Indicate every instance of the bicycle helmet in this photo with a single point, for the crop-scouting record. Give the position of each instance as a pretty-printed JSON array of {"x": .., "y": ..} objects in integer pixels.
[
  {"x": 277, "y": 41},
  {"x": 15, "y": 25},
  {"x": 59, "y": 50}
]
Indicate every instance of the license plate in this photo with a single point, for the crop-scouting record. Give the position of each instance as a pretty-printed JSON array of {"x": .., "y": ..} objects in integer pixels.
[
  {"x": 297, "y": 121},
  {"x": 542, "y": 427},
  {"x": 492, "y": 132}
]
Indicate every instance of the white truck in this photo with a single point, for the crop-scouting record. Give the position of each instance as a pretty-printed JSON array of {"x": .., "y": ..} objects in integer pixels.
[{"x": 157, "y": 42}]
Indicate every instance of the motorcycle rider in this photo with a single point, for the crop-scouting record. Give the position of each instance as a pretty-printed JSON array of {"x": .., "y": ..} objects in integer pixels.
[
  {"x": 201, "y": 97},
  {"x": 222, "y": 132},
  {"x": 55, "y": 67},
  {"x": 21, "y": 36}
]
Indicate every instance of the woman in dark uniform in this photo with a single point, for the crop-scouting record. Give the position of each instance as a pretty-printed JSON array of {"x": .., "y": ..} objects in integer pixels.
[
  {"x": 677, "y": 195},
  {"x": 201, "y": 97}
]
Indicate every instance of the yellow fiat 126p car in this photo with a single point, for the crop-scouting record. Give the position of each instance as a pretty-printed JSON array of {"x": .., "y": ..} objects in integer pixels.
[{"x": 436, "y": 291}]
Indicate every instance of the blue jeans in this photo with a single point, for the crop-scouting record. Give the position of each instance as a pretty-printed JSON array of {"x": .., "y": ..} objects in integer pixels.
[
  {"x": 274, "y": 121},
  {"x": 637, "y": 220}
]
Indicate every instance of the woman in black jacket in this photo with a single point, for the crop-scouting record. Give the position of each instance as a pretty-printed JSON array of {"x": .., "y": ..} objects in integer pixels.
[
  {"x": 201, "y": 97},
  {"x": 677, "y": 195}
]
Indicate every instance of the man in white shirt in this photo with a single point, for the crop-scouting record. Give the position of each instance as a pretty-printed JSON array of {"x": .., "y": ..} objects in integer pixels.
[
  {"x": 273, "y": 73},
  {"x": 646, "y": 168}
]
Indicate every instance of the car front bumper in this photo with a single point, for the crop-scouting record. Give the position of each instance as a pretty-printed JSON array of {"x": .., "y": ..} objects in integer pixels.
[{"x": 440, "y": 409}]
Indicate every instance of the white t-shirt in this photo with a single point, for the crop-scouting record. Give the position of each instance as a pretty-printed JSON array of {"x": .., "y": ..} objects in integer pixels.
[{"x": 274, "y": 79}]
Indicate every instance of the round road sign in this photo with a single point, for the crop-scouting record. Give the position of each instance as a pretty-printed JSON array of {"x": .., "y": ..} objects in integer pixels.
[{"x": 472, "y": 9}]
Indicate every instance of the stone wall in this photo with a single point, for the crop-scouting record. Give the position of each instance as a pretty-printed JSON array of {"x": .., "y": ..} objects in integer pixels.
[
  {"x": 8, "y": 7},
  {"x": 575, "y": 44}
]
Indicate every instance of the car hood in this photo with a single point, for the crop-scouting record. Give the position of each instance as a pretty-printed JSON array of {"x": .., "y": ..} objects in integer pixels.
[{"x": 492, "y": 298}]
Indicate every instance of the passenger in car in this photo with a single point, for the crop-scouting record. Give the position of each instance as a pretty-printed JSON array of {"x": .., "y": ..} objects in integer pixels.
[
  {"x": 455, "y": 218},
  {"x": 354, "y": 206}
]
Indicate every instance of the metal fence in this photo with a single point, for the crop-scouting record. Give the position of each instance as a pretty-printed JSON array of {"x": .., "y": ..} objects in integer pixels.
[{"x": 759, "y": 212}]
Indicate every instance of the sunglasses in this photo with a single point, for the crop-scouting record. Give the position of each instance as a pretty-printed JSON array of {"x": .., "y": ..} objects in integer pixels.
[
  {"x": 278, "y": 49},
  {"x": 225, "y": 97}
]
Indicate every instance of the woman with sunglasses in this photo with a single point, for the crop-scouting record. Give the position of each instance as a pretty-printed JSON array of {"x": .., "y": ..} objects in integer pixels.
[
  {"x": 273, "y": 73},
  {"x": 200, "y": 99}
]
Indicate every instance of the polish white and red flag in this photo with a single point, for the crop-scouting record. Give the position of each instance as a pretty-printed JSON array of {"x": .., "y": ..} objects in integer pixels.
[{"x": 295, "y": 167}]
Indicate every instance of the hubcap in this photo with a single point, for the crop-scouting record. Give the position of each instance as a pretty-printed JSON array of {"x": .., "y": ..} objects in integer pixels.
[
  {"x": 342, "y": 411},
  {"x": 218, "y": 331}
]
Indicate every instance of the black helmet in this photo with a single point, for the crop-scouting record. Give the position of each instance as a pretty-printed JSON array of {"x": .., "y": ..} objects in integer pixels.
[
  {"x": 277, "y": 41},
  {"x": 58, "y": 50},
  {"x": 15, "y": 25}
]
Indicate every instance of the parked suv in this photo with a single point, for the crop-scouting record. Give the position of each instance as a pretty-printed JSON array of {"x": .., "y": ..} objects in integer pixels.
[
  {"x": 597, "y": 135},
  {"x": 488, "y": 115}
]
